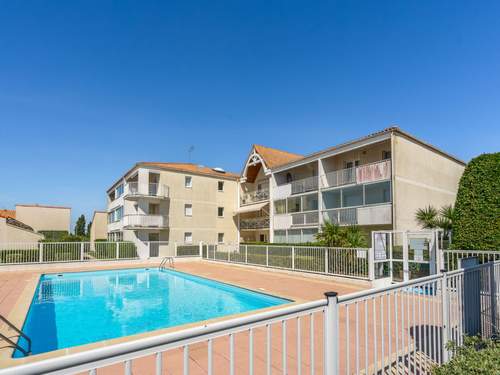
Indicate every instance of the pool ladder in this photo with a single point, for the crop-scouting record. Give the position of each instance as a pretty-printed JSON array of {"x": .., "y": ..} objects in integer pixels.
[
  {"x": 167, "y": 261},
  {"x": 11, "y": 342}
]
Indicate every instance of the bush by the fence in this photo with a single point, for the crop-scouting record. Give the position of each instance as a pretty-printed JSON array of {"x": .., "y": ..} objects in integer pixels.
[
  {"x": 477, "y": 208},
  {"x": 476, "y": 356}
]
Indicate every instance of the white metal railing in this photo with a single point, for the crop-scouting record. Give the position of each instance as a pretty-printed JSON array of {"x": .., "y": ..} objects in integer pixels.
[
  {"x": 254, "y": 196},
  {"x": 402, "y": 328},
  {"x": 304, "y": 185},
  {"x": 146, "y": 189},
  {"x": 377, "y": 171},
  {"x": 341, "y": 216},
  {"x": 305, "y": 218},
  {"x": 348, "y": 262},
  {"x": 141, "y": 221},
  {"x": 49, "y": 252},
  {"x": 451, "y": 258},
  {"x": 254, "y": 223}
]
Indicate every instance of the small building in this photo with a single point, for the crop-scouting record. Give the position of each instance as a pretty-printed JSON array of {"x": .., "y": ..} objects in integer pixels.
[
  {"x": 14, "y": 231},
  {"x": 48, "y": 220},
  {"x": 99, "y": 226}
]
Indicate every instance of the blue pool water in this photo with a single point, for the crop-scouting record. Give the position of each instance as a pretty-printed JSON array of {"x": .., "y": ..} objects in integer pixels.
[{"x": 72, "y": 309}]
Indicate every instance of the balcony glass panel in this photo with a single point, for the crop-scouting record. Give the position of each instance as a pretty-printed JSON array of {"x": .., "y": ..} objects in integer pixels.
[
  {"x": 280, "y": 206},
  {"x": 294, "y": 236},
  {"x": 309, "y": 234},
  {"x": 352, "y": 196},
  {"x": 310, "y": 202},
  {"x": 294, "y": 204},
  {"x": 331, "y": 199},
  {"x": 378, "y": 193},
  {"x": 280, "y": 236}
]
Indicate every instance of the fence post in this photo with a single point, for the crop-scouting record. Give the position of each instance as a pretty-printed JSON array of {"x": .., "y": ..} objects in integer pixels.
[
  {"x": 228, "y": 254},
  {"x": 493, "y": 300},
  {"x": 267, "y": 256},
  {"x": 201, "y": 249},
  {"x": 326, "y": 259},
  {"x": 446, "y": 315},
  {"x": 40, "y": 253},
  {"x": 293, "y": 257},
  {"x": 371, "y": 264},
  {"x": 81, "y": 251},
  {"x": 117, "y": 250},
  {"x": 246, "y": 253},
  {"x": 175, "y": 249},
  {"x": 331, "y": 335}
]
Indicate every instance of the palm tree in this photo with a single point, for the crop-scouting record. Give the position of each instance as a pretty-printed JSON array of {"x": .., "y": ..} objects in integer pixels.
[
  {"x": 427, "y": 217},
  {"x": 355, "y": 237},
  {"x": 331, "y": 235}
]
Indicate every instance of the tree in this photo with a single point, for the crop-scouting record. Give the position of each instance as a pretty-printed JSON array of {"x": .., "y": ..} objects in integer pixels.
[
  {"x": 334, "y": 236},
  {"x": 80, "y": 226},
  {"x": 476, "y": 221},
  {"x": 427, "y": 217},
  {"x": 89, "y": 225}
]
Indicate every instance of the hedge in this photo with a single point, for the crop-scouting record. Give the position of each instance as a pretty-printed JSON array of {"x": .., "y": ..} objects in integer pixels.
[{"x": 476, "y": 224}]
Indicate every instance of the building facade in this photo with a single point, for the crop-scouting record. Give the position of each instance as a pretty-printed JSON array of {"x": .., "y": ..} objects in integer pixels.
[
  {"x": 99, "y": 226},
  {"x": 376, "y": 182},
  {"x": 45, "y": 218},
  {"x": 180, "y": 203}
]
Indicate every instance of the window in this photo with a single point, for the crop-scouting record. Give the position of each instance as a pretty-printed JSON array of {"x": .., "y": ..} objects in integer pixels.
[
  {"x": 352, "y": 196},
  {"x": 220, "y": 185},
  {"x": 310, "y": 202},
  {"x": 386, "y": 155},
  {"x": 378, "y": 193},
  {"x": 280, "y": 236},
  {"x": 309, "y": 235},
  {"x": 188, "y": 237},
  {"x": 331, "y": 199},
  {"x": 294, "y": 236},
  {"x": 154, "y": 209},
  {"x": 188, "y": 209},
  {"x": 188, "y": 182},
  {"x": 294, "y": 204},
  {"x": 289, "y": 177},
  {"x": 220, "y": 211},
  {"x": 280, "y": 206},
  {"x": 115, "y": 215},
  {"x": 220, "y": 237},
  {"x": 119, "y": 191}
]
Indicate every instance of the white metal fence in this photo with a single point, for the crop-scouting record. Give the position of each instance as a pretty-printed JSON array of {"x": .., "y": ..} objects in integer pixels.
[
  {"x": 348, "y": 262},
  {"x": 400, "y": 329},
  {"x": 48, "y": 252},
  {"x": 450, "y": 258}
]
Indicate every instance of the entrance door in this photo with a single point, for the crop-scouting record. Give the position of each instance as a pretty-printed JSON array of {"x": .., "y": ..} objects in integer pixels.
[{"x": 154, "y": 245}]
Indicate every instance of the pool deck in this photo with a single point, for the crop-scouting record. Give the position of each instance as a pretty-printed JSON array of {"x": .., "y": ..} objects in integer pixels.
[{"x": 17, "y": 287}]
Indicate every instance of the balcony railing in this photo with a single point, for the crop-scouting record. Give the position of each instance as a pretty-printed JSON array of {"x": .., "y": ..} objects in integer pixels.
[
  {"x": 363, "y": 215},
  {"x": 136, "y": 189},
  {"x": 254, "y": 196},
  {"x": 305, "y": 218},
  {"x": 145, "y": 221},
  {"x": 372, "y": 172},
  {"x": 255, "y": 223},
  {"x": 304, "y": 185}
]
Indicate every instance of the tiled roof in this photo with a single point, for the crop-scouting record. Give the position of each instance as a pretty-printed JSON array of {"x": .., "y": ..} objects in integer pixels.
[
  {"x": 8, "y": 214},
  {"x": 191, "y": 168},
  {"x": 274, "y": 158},
  {"x": 42, "y": 205}
]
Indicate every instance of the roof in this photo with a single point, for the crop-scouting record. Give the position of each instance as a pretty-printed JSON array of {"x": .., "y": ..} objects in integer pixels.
[
  {"x": 41, "y": 205},
  {"x": 8, "y": 214},
  {"x": 387, "y": 131},
  {"x": 274, "y": 157},
  {"x": 190, "y": 168}
]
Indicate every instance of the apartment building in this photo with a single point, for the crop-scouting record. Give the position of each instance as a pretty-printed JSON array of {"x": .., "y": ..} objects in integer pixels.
[
  {"x": 377, "y": 182},
  {"x": 181, "y": 203}
]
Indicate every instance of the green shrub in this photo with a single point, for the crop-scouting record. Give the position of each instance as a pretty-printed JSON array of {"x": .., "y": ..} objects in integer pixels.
[
  {"x": 476, "y": 223},
  {"x": 475, "y": 357},
  {"x": 53, "y": 235}
]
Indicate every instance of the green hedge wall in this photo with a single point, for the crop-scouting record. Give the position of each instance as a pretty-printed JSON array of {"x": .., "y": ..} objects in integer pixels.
[{"x": 476, "y": 224}]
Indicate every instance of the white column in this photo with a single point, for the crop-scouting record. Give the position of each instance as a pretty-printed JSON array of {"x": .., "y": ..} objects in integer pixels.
[
  {"x": 331, "y": 335},
  {"x": 272, "y": 184}
]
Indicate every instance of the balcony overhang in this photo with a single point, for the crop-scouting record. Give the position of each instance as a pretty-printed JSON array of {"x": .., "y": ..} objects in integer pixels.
[{"x": 251, "y": 208}]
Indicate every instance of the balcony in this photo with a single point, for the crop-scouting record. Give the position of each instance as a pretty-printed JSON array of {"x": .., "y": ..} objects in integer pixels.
[
  {"x": 144, "y": 221},
  {"x": 304, "y": 185},
  {"x": 305, "y": 218},
  {"x": 135, "y": 190},
  {"x": 254, "y": 223},
  {"x": 372, "y": 172},
  {"x": 254, "y": 196},
  {"x": 364, "y": 215}
]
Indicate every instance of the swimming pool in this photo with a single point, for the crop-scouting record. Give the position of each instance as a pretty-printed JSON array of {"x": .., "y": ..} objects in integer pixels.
[{"x": 73, "y": 309}]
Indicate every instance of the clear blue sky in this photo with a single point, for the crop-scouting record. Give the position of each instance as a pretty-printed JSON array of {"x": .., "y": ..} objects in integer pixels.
[{"x": 87, "y": 88}]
